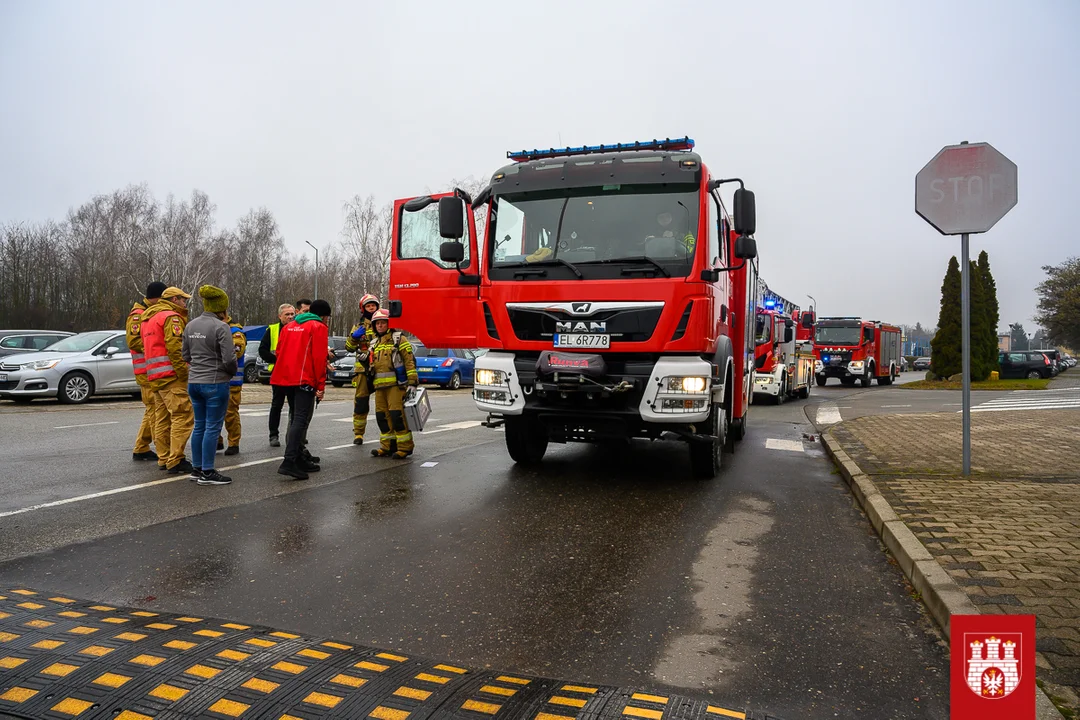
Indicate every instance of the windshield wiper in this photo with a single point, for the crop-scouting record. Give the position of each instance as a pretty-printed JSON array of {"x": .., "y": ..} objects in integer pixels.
[
  {"x": 548, "y": 262},
  {"x": 635, "y": 259}
]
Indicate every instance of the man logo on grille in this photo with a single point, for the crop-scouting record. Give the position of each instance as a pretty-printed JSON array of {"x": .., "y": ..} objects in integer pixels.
[{"x": 581, "y": 308}]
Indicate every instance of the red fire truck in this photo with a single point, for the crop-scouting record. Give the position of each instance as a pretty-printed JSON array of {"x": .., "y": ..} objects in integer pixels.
[
  {"x": 783, "y": 365},
  {"x": 612, "y": 287},
  {"x": 856, "y": 350}
]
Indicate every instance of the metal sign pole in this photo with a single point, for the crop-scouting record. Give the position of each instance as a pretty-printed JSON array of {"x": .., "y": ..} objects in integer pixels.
[{"x": 965, "y": 310}]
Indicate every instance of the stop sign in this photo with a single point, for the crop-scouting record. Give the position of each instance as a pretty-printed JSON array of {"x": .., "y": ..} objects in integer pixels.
[{"x": 965, "y": 189}]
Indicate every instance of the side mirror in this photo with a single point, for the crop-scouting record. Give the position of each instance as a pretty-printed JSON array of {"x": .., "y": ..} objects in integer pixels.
[
  {"x": 110, "y": 351},
  {"x": 452, "y": 251},
  {"x": 395, "y": 308},
  {"x": 418, "y": 203},
  {"x": 808, "y": 320},
  {"x": 745, "y": 248},
  {"x": 710, "y": 276},
  {"x": 789, "y": 334},
  {"x": 745, "y": 212},
  {"x": 451, "y": 218}
]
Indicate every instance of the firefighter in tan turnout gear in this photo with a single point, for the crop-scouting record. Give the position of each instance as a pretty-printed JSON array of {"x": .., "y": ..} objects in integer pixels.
[
  {"x": 358, "y": 342},
  {"x": 155, "y": 422},
  {"x": 236, "y": 387},
  {"x": 391, "y": 367},
  {"x": 162, "y": 333}
]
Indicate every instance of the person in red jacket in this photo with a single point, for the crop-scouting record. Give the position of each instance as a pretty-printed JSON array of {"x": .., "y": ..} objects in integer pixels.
[{"x": 300, "y": 371}]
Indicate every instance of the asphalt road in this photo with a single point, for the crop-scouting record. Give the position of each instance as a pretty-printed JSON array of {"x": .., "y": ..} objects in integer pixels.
[{"x": 766, "y": 588}]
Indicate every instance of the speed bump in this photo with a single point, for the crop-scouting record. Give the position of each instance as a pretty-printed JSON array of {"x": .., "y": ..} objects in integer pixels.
[{"x": 63, "y": 658}]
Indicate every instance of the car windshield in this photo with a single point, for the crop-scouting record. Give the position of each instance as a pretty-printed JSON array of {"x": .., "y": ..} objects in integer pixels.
[
  {"x": 762, "y": 329},
  {"x": 838, "y": 334},
  {"x": 81, "y": 342},
  {"x": 638, "y": 224}
]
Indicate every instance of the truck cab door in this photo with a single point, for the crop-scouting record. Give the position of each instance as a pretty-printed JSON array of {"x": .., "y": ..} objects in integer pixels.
[{"x": 436, "y": 301}]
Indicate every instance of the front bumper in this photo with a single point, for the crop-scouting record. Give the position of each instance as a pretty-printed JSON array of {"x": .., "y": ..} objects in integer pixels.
[
  {"x": 643, "y": 399},
  {"x": 767, "y": 384},
  {"x": 28, "y": 383}
]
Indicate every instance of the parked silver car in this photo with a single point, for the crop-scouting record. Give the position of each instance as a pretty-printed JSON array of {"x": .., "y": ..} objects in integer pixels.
[{"x": 72, "y": 370}]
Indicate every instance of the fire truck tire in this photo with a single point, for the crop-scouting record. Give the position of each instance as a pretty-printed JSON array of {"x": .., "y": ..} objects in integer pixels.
[
  {"x": 804, "y": 393},
  {"x": 738, "y": 428},
  {"x": 782, "y": 395},
  {"x": 526, "y": 440},
  {"x": 821, "y": 380},
  {"x": 888, "y": 379},
  {"x": 706, "y": 458},
  {"x": 867, "y": 377}
]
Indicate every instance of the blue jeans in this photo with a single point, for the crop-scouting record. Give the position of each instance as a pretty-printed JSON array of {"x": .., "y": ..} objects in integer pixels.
[{"x": 209, "y": 401}]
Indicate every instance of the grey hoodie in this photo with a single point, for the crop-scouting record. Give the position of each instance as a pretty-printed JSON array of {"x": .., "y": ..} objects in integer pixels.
[{"x": 208, "y": 348}]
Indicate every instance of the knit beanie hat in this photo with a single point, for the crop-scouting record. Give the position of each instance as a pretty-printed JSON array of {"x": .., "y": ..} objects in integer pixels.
[
  {"x": 214, "y": 299},
  {"x": 154, "y": 290},
  {"x": 321, "y": 308}
]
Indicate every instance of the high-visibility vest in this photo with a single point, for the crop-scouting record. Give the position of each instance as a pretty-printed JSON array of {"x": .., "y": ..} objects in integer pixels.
[
  {"x": 274, "y": 330},
  {"x": 238, "y": 378},
  {"x": 158, "y": 364},
  {"x": 138, "y": 359}
]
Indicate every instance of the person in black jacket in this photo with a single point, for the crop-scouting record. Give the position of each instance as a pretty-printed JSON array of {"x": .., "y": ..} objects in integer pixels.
[{"x": 267, "y": 348}]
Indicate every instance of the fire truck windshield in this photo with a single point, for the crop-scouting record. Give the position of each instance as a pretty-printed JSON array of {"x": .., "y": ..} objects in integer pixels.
[
  {"x": 650, "y": 228},
  {"x": 838, "y": 334},
  {"x": 763, "y": 329}
]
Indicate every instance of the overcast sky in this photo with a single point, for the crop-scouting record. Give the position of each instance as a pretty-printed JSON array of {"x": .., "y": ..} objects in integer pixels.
[{"x": 826, "y": 109}]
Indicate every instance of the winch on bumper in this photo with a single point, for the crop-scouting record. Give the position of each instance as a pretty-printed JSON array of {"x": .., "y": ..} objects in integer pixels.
[{"x": 580, "y": 396}]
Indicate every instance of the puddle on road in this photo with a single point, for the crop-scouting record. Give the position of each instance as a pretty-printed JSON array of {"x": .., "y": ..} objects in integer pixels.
[{"x": 723, "y": 573}]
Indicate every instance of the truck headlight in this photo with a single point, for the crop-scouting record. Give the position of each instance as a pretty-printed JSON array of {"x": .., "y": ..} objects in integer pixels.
[
  {"x": 818, "y": 367},
  {"x": 490, "y": 377},
  {"x": 855, "y": 365},
  {"x": 693, "y": 384}
]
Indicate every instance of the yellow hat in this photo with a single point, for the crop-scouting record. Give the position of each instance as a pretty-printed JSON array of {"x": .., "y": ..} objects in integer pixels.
[
  {"x": 171, "y": 292},
  {"x": 214, "y": 299}
]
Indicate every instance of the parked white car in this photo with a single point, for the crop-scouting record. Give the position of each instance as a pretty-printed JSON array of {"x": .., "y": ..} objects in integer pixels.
[{"x": 72, "y": 370}]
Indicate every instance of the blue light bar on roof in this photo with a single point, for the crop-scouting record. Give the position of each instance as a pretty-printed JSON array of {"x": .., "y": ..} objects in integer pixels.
[{"x": 683, "y": 143}]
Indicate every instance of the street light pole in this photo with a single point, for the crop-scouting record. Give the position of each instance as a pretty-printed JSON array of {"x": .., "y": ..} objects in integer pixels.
[
  {"x": 814, "y": 300},
  {"x": 316, "y": 268}
]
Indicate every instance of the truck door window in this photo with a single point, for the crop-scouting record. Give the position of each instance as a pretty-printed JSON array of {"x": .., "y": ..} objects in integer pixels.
[
  {"x": 420, "y": 237},
  {"x": 762, "y": 329},
  {"x": 868, "y": 335}
]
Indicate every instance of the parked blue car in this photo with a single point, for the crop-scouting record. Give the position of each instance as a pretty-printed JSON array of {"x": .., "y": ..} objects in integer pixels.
[{"x": 448, "y": 368}]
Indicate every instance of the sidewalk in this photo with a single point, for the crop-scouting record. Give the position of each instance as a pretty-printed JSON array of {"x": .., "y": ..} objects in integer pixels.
[{"x": 1008, "y": 538}]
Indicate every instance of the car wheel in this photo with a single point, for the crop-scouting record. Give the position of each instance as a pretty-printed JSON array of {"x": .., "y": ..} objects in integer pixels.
[
  {"x": 1034, "y": 375},
  {"x": 75, "y": 389},
  {"x": 251, "y": 374},
  {"x": 455, "y": 381}
]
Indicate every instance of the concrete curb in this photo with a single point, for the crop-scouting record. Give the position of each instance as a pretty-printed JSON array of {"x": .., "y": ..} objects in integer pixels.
[{"x": 941, "y": 595}]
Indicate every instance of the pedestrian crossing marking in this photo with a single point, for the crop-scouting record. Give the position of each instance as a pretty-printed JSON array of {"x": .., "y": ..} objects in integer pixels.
[{"x": 1062, "y": 399}]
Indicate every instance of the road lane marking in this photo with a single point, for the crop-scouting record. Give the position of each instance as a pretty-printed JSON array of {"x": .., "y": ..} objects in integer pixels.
[
  {"x": 828, "y": 414},
  {"x": 339, "y": 447},
  {"x": 178, "y": 478},
  {"x": 66, "y": 427},
  {"x": 894, "y": 406},
  {"x": 790, "y": 445}
]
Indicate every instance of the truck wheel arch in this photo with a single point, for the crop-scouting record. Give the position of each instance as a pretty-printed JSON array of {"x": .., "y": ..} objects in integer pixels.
[{"x": 724, "y": 360}]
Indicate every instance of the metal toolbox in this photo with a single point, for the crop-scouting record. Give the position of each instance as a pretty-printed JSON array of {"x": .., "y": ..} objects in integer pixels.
[{"x": 417, "y": 409}]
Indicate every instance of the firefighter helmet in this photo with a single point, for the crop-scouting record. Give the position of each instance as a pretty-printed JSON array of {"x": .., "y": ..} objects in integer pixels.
[
  {"x": 380, "y": 315},
  {"x": 369, "y": 298}
]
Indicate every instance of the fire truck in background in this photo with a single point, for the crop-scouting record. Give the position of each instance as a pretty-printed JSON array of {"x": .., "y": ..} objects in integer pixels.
[
  {"x": 615, "y": 293},
  {"x": 856, "y": 350},
  {"x": 783, "y": 365}
]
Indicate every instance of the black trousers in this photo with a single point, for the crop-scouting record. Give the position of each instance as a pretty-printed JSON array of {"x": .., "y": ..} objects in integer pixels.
[
  {"x": 301, "y": 408},
  {"x": 277, "y": 401}
]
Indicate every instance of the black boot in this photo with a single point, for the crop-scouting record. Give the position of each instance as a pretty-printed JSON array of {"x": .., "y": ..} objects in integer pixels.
[
  {"x": 148, "y": 455},
  {"x": 292, "y": 470},
  {"x": 232, "y": 450}
]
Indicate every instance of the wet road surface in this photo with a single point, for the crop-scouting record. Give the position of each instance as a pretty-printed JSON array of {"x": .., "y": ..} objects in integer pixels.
[{"x": 766, "y": 588}]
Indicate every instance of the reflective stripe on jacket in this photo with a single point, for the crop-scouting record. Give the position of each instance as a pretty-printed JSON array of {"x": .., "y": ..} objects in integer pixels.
[
  {"x": 157, "y": 362},
  {"x": 274, "y": 331},
  {"x": 238, "y": 378}
]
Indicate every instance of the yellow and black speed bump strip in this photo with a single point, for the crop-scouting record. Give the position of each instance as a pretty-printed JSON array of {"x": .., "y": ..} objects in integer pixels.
[{"x": 63, "y": 658}]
